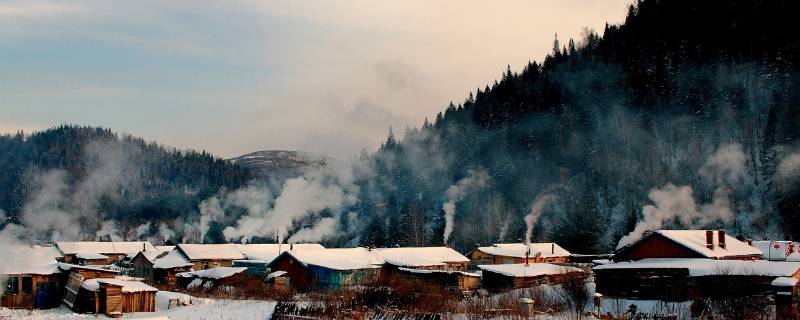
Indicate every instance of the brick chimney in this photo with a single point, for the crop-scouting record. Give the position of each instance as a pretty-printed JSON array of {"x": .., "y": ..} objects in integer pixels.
[
  {"x": 721, "y": 240},
  {"x": 750, "y": 242},
  {"x": 710, "y": 239}
]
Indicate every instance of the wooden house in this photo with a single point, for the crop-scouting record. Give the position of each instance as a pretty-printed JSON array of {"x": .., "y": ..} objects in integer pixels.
[
  {"x": 681, "y": 279},
  {"x": 142, "y": 263},
  {"x": 329, "y": 268},
  {"x": 450, "y": 262},
  {"x": 206, "y": 256},
  {"x": 33, "y": 280},
  {"x": 90, "y": 250},
  {"x": 498, "y": 277},
  {"x": 166, "y": 268},
  {"x": 113, "y": 297},
  {"x": 515, "y": 253},
  {"x": 225, "y": 278},
  {"x": 706, "y": 244},
  {"x": 75, "y": 296},
  {"x": 434, "y": 279}
]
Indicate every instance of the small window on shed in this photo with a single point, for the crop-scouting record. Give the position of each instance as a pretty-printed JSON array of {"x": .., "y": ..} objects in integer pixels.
[
  {"x": 27, "y": 285},
  {"x": 12, "y": 286}
]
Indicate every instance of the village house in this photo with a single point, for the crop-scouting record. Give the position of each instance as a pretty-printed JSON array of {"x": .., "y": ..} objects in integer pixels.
[
  {"x": 142, "y": 264},
  {"x": 206, "y": 256},
  {"x": 427, "y": 266},
  {"x": 499, "y": 277},
  {"x": 32, "y": 281},
  {"x": 433, "y": 279},
  {"x": 90, "y": 252},
  {"x": 166, "y": 268},
  {"x": 329, "y": 268},
  {"x": 113, "y": 297},
  {"x": 707, "y": 244},
  {"x": 515, "y": 253}
]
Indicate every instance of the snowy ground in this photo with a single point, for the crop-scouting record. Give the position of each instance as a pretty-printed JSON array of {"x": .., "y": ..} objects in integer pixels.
[{"x": 201, "y": 309}]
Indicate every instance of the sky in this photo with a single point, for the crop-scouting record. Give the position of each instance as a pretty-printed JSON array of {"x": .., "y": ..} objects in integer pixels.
[{"x": 232, "y": 77}]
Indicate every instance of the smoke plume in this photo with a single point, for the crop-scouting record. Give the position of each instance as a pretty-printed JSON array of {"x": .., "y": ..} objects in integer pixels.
[
  {"x": 473, "y": 180},
  {"x": 724, "y": 169},
  {"x": 789, "y": 168},
  {"x": 538, "y": 206}
]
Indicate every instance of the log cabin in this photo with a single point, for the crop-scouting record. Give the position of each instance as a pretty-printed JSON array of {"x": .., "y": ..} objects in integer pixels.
[
  {"x": 681, "y": 279},
  {"x": 422, "y": 258},
  {"x": 329, "y": 268},
  {"x": 206, "y": 256},
  {"x": 500, "y": 277},
  {"x": 706, "y": 244},
  {"x": 32, "y": 280},
  {"x": 166, "y": 268},
  {"x": 515, "y": 253},
  {"x": 113, "y": 250}
]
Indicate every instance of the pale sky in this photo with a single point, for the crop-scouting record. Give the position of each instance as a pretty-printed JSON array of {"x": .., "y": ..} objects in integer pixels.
[{"x": 232, "y": 77}]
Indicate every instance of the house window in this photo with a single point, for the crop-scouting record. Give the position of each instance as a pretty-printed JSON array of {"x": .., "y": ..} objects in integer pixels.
[
  {"x": 27, "y": 285},
  {"x": 12, "y": 285}
]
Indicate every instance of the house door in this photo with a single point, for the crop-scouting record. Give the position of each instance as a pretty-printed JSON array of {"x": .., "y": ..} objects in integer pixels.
[{"x": 45, "y": 295}]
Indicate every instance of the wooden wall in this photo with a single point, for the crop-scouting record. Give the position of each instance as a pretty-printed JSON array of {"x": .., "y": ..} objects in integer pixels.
[
  {"x": 47, "y": 287},
  {"x": 499, "y": 282},
  {"x": 479, "y": 257},
  {"x": 211, "y": 263}
]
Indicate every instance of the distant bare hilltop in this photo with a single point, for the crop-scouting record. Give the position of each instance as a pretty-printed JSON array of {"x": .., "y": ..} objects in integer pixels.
[{"x": 280, "y": 164}]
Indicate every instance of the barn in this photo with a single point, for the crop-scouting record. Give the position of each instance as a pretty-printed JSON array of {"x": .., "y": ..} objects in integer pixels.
[
  {"x": 166, "y": 268},
  {"x": 515, "y": 253},
  {"x": 32, "y": 282},
  {"x": 499, "y": 277},
  {"x": 707, "y": 244},
  {"x": 329, "y": 268},
  {"x": 116, "y": 296},
  {"x": 206, "y": 256},
  {"x": 681, "y": 279},
  {"x": 90, "y": 251}
]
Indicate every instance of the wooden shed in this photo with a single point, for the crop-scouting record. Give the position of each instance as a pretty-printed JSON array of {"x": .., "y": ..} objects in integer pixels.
[
  {"x": 787, "y": 297},
  {"x": 75, "y": 295},
  {"x": 329, "y": 268},
  {"x": 33, "y": 282},
  {"x": 500, "y": 277},
  {"x": 166, "y": 268},
  {"x": 514, "y": 253},
  {"x": 113, "y": 297},
  {"x": 206, "y": 256},
  {"x": 708, "y": 244}
]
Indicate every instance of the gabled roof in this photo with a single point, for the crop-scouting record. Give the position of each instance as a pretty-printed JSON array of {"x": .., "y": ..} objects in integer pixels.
[
  {"x": 420, "y": 256},
  {"x": 695, "y": 240},
  {"x": 173, "y": 259},
  {"x": 518, "y": 250},
  {"x": 128, "y": 247},
  {"x": 226, "y": 251},
  {"x": 338, "y": 259},
  {"x": 31, "y": 260},
  {"x": 148, "y": 255},
  {"x": 520, "y": 270},
  {"x": 269, "y": 251}
]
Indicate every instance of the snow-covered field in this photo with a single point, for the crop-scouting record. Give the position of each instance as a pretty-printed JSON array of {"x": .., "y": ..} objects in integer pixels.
[{"x": 201, "y": 309}]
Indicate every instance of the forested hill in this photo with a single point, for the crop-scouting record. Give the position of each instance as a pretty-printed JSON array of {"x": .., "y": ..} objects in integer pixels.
[
  {"x": 93, "y": 170},
  {"x": 681, "y": 88}
]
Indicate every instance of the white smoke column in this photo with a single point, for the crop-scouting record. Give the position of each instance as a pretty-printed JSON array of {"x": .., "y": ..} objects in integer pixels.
[
  {"x": 166, "y": 232},
  {"x": 504, "y": 230},
  {"x": 456, "y": 192},
  {"x": 789, "y": 168},
  {"x": 725, "y": 169},
  {"x": 109, "y": 229},
  {"x": 210, "y": 211},
  {"x": 45, "y": 212},
  {"x": 139, "y": 232},
  {"x": 538, "y": 206},
  {"x": 324, "y": 228}
]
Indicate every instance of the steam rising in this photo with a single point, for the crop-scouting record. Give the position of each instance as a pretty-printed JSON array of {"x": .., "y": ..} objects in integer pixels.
[
  {"x": 455, "y": 193},
  {"x": 725, "y": 168},
  {"x": 789, "y": 168},
  {"x": 539, "y": 204}
]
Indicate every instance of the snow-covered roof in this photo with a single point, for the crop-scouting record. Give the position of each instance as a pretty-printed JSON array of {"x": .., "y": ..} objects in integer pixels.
[
  {"x": 126, "y": 248},
  {"x": 164, "y": 248},
  {"x": 31, "y": 260},
  {"x": 421, "y": 256},
  {"x": 340, "y": 258},
  {"x": 127, "y": 285},
  {"x": 69, "y": 266},
  {"x": 518, "y": 250},
  {"x": 173, "y": 259},
  {"x": 91, "y": 256},
  {"x": 427, "y": 271},
  {"x": 695, "y": 240},
  {"x": 520, "y": 270},
  {"x": 274, "y": 275},
  {"x": 213, "y": 273},
  {"x": 269, "y": 251},
  {"x": 706, "y": 267},
  {"x": 785, "y": 282},
  {"x": 225, "y": 251},
  {"x": 149, "y": 255}
]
